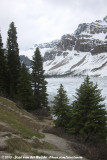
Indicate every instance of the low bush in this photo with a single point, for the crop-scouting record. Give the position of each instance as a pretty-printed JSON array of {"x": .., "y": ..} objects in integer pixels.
[{"x": 41, "y": 114}]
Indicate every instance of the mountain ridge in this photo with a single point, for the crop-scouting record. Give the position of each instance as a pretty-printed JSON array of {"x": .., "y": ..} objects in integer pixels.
[{"x": 80, "y": 53}]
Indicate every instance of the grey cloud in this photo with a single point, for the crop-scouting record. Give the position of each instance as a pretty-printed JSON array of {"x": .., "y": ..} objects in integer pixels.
[{"x": 44, "y": 20}]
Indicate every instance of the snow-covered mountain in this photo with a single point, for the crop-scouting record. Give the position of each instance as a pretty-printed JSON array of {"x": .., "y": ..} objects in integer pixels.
[
  {"x": 43, "y": 48},
  {"x": 83, "y": 52}
]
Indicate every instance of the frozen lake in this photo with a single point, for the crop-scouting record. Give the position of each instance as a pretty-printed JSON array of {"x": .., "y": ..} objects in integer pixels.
[{"x": 71, "y": 84}]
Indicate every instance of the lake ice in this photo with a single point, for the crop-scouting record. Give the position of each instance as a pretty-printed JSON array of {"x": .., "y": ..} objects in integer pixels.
[{"x": 71, "y": 84}]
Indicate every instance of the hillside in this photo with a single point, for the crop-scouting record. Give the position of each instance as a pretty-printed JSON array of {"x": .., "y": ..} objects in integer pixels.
[
  {"x": 21, "y": 134},
  {"x": 81, "y": 53}
]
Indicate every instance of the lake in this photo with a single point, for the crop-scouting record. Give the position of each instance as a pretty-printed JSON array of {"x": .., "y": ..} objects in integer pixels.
[{"x": 71, "y": 84}]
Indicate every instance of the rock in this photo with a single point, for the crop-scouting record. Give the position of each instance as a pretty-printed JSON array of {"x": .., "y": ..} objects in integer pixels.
[
  {"x": 59, "y": 53},
  {"x": 83, "y": 45},
  {"x": 99, "y": 49},
  {"x": 105, "y": 19},
  {"x": 33, "y": 138},
  {"x": 49, "y": 55},
  {"x": 65, "y": 54},
  {"x": 66, "y": 42},
  {"x": 81, "y": 28},
  {"x": 82, "y": 40},
  {"x": 25, "y": 60},
  {"x": 52, "y": 44},
  {"x": 90, "y": 38}
]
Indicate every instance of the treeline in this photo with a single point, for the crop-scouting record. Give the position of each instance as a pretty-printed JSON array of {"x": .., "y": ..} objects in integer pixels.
[
  {"x": 86, "y": 117},
  {"x": 16, "y": 82}
]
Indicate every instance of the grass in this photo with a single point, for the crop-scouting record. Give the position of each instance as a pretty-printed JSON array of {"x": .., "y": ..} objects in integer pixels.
[
  {"x": 12, "y": 116},
  {"x": 49, "y": 146},
  {"x": 44, "y": 145},
  {"x": 20, "y": 126},
  {"x": 18, "y": 144},
  {"x": 4, "y": 128}
]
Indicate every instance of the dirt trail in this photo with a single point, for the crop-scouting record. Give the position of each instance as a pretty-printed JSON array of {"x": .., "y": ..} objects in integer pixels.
[
  {"x": 57, "y": 141},
  {"x": 62, "y": 144}
]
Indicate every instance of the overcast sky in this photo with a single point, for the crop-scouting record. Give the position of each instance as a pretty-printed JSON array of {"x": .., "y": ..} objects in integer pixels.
[{"x": 40, "y": 21}]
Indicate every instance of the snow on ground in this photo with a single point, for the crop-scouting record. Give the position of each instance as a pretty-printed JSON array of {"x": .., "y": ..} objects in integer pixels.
[
  {"x": 78, "y": 62},
  {"x": 100, "y": 36},
  {"x": 81, "y": 63}
]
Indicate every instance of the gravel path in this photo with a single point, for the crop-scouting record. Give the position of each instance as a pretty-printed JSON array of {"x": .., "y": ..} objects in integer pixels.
[{"x": 62, "y": 144}]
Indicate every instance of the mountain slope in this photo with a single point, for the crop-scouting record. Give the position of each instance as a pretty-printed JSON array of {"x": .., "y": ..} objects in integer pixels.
[
  {"x": 21, "y": 135},
  {"x": 83, "y": 52},
  {"x": 43, "y": 48}
]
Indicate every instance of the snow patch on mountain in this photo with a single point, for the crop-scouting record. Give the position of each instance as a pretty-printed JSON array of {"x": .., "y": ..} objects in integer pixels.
[
  {"x": 81, "y": 53},
  {"x": 29, "y": 53},
  {"x": 77, "y": 64},
  {"x": 43, "y": 48}
]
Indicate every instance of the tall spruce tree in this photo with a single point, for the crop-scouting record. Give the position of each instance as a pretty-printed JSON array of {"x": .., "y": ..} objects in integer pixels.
[
  {"x": 61, "y": 107},
  {"x": 13, "y": 60},
  {"x": 88, "y": 117},
  {"x": 3, "y": 70},
  {"x": 38, "y": 81},
  {"x": 24, "y": 89}
]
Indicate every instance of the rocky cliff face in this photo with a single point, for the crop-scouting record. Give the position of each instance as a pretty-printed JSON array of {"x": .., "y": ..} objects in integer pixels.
[
  {"x": 91, "y": 37},
  {"x": 78, "y": 50},
  {"x": 52, "y": 44},
  {"x": 88, "y": 37},
  {"x": 25, "y": 60}
]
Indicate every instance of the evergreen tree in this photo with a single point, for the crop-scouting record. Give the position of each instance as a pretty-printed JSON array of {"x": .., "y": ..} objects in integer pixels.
[
  {"x": 38, "y": 81},
  {"x": 13, "y": 59},
  {"x": 61, "y": 107},
  {"x": 24, "y": 89},
  {"x": 44, "y": 95},
  {"x": 3, "y": 70},
  {"x": 88, "y": 116}
]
